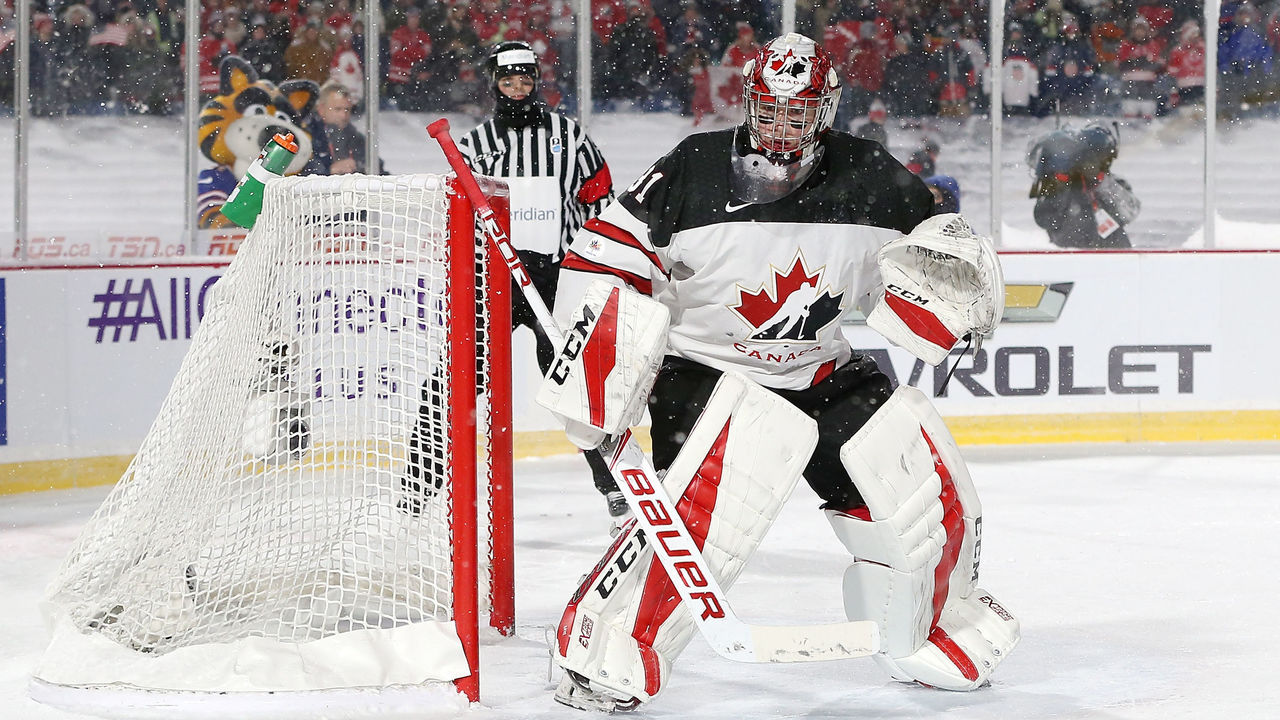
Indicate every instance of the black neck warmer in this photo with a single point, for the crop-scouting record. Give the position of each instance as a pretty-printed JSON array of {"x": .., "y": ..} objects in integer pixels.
[{"x": 517, "y": 114}]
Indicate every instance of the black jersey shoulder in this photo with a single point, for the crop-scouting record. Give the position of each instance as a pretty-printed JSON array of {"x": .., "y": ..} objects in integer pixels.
[
  {"x": 860, "y": 181},
  {"x": 674, "y": 193}
]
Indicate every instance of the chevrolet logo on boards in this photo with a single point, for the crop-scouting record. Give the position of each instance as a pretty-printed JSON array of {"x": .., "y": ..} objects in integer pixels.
[{"x": 1023, "y": 302}]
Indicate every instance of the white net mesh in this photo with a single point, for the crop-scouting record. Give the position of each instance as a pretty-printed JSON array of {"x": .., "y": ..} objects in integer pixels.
[{"x": 296, "y": 483}]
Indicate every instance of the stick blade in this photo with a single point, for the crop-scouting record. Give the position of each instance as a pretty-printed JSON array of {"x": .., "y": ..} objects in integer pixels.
[{"x": 814, "y": 643}]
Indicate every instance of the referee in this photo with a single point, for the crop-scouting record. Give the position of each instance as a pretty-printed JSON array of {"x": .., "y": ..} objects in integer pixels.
[
  {"x": 558, "y": 180},
  {"x": 557, "y": 176}
]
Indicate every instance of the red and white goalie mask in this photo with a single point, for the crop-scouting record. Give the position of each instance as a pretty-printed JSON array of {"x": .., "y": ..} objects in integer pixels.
[{"x": 790, "y": 92}]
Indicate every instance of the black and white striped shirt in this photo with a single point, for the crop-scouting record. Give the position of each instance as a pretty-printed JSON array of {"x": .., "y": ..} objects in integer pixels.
[{"x": 555, "y": 147}]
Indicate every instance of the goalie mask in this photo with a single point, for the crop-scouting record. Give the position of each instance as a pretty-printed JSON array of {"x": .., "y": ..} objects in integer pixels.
[
  {"x": 790, "y": 92},
  {"x": 507, "y": 62}
]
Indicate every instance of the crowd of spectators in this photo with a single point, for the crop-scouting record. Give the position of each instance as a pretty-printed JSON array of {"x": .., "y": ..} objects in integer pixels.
[
  {"x": 1136, "y": 58},
  {"x": 1139, "y": 58}
]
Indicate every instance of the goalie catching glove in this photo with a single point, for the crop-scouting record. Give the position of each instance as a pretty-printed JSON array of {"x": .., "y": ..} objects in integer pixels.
[
  {"x": 942, "y": 283},
  {"x": 599, "y": 383}
]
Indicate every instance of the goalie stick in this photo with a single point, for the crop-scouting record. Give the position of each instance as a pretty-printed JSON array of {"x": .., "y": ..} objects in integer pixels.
[{"x": 656, "y": 514}]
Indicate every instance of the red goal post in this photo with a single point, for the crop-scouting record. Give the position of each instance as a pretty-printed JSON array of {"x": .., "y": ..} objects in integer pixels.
[{"x": 322, "y": 509}]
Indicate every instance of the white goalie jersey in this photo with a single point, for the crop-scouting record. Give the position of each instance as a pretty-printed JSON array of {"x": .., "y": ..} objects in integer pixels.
[{"x": 759, "y": 289}]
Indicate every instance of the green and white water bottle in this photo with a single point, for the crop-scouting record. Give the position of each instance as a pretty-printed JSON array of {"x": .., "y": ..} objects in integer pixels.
[{"x": 245, "y": 202}]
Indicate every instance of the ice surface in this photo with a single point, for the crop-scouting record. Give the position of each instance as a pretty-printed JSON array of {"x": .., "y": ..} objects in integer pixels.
[{"x": 1145, "y": 579}]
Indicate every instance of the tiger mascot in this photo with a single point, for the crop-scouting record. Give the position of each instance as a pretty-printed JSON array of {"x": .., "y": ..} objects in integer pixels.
[{"x": 238, "y": 122}]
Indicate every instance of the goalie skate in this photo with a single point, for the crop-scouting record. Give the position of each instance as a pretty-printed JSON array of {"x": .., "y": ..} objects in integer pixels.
[
  {"x": 617, "y": 503},
  {"x": 575, "y": 691},
  {"x": 277, "y": 426},
  {"x": 145, "y": 625}
]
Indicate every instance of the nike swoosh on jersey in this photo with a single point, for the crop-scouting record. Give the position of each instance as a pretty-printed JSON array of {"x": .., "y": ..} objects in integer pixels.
[{"x": 730, "y": 207}]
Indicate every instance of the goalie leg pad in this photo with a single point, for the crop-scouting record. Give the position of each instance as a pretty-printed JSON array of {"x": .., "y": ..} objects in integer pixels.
[
  {"x": 599, "y": 382},
  {"x": 915, "y": 543},
  {"x": 596, "y": 638},
  {"x": 624, "y": 626},
  {"x": 971, "y": 638}
]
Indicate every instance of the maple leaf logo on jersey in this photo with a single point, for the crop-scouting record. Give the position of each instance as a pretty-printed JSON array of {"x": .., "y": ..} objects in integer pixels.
[{"x": 791, "y": 306}]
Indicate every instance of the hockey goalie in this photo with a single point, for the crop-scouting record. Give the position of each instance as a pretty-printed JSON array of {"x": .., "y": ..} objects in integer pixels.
[{"x": 712, "y": 292}]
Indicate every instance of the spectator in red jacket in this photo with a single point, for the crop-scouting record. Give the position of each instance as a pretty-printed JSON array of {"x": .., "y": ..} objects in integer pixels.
[
  {"x": 410, "y": 46},
  {"x": 606, "y": 15},
  {"x": 838, "y": 39},
  {"x": 341, "y": 17},
  {"x": 211, "y": 49},
  {"x": 1141, "y": 60},
  {"x": 1186, "y": 65},
  {"x": 697, "y": 67},
  {"x": 865, "y": 69},
  {"x": 744, "y": 48},
  {"x": 489, "y": 21}
]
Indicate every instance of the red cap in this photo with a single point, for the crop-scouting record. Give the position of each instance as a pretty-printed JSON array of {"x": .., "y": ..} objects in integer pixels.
[{"x": 287, "y": 142}]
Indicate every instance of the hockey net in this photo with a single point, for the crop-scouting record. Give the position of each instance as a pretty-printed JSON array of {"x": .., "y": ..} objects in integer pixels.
[{"x": 302, "y": 515}]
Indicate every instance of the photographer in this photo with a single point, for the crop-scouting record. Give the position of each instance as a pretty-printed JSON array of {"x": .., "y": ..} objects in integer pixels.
[{"x": 1079, "y": 201}]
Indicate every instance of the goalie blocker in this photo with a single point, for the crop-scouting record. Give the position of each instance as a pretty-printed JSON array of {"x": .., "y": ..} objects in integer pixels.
[{"x": 599, "y": 382}]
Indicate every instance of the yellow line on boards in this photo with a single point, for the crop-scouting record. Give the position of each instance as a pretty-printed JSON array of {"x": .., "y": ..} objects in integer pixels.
[
  {"x": 1172, "y": 427},
  {"x": 38, "y": 475}
]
